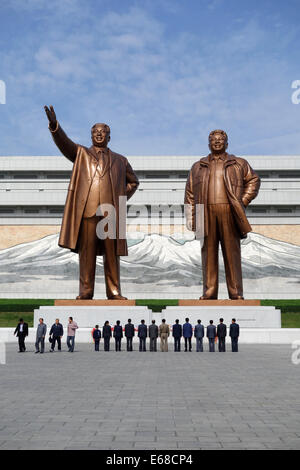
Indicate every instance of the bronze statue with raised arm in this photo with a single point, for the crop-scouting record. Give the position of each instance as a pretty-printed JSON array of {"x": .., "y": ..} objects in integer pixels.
[
  {"x": 99, "y": 176},
  {"x": 225, "y": 185}
]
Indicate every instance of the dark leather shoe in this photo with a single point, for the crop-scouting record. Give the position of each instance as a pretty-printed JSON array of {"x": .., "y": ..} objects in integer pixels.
[
  {"x": 117, "y": 297},
  {"x": 84, "y": 297},
  {"x": 207, "y": 298},
  {"x": 238, "y": 297}
]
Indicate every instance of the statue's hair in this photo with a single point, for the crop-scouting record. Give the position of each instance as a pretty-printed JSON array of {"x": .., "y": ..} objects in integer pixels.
[
  {"x": 218, "y": 131},
  {"x": 101, "y": 124}
]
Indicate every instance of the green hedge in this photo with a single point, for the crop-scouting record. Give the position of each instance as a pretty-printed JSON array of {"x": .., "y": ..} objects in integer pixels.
[
  {"x": 290, "y": 320},
  {"x": 23, "y": 305},
  {"x": 285, "y": 305},
  {"x": 11, "y": 319},
  {"x": 156, "y": 305}
]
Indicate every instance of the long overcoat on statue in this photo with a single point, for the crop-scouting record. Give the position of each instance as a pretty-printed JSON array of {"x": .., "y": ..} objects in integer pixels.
[{"x": 124, "y": 182}]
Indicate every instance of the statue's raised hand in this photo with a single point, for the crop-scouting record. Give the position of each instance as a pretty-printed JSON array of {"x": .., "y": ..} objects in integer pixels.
[{"x": 51, "y": 116}]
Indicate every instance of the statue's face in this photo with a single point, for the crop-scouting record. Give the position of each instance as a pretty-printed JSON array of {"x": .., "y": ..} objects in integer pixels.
[
  {"x": 100, "y": 135},
  {"x": 218, "y": 143}
]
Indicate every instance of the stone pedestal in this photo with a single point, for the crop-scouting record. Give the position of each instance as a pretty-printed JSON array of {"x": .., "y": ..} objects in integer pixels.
[
  {"x": 87, "y": 316},
  {"x": 247, "y": 315},
  {"x": 88, "y": 313}
]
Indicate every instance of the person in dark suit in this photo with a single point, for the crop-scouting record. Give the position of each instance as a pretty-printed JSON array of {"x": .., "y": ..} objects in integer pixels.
[
  {"x": 211, "y": 333},
  {"x": 221, "y": 334},
  {"x": 97, "y": 337},
  {"x": 234, "y": 333},
  {"x": 21, "y": 331},
  {"x": 199, "y": 335},
  {"x": 106, "y": 333},
  {"x": 57, "y": 332},
  {"x": 129, "y": 334},
  {"x": 142, "y": 334},
  {"x": 118, "y": 335},
  {"x": 187, "y": 330},
  {"x": 153, "y": 335},
  {"x": 177, "y": 334}
]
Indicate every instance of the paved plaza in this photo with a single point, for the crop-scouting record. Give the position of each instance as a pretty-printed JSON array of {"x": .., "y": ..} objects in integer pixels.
[{"x": 110, "y": 400}]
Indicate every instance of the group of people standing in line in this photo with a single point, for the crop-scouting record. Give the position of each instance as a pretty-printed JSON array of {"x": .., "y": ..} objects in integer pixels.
[
  {"x": 153, "y": 332},
  {"x": 55, "y": 335}
]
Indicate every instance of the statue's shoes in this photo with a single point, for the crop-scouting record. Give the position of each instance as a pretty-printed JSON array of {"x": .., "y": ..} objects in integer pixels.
[
  {"x": 238, "y": 297},
  {"x": 207, "y": 298},
  {"x": 117, "y": 297},
  {"x": 84, "y": 297}
]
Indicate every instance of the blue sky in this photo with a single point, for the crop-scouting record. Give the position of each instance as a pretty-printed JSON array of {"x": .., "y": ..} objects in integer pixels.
[{"x": 161, "y": 73}]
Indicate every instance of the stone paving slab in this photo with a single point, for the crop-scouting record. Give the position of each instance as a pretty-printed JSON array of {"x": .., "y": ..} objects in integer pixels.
[{"x": 119, "y": 401}]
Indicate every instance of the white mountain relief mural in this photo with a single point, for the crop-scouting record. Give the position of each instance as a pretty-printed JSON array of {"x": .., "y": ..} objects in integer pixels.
[{"x": 157, "y": 267}]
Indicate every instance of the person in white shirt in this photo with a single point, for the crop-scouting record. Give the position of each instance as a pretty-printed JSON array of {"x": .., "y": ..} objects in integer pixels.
[{"x": 21, "y": 331}]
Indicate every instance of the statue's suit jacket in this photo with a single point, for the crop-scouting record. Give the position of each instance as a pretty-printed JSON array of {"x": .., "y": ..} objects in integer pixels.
[
  {"x": 241, "y": 183},
  {"x": 124, "y": 182}
]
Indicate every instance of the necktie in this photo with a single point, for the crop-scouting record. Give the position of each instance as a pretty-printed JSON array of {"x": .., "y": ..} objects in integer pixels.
[{"x": 101, "y": 161}]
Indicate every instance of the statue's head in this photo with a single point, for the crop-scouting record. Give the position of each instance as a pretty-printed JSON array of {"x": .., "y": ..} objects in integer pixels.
[
  {"x": 100, "y": 134},
  {"x": 218, "y": 141}
]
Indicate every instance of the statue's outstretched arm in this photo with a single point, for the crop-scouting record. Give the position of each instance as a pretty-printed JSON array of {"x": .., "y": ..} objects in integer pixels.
[{"x": 67, "y": 147}]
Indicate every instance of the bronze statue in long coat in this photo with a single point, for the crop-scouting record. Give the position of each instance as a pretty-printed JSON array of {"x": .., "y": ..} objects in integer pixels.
[{"x": 99, "y": 176}]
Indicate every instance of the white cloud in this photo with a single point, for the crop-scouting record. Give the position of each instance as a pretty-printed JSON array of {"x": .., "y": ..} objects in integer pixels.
[
  {"x": 55, "y": 6},
  {"x": 160, "y": 93}
]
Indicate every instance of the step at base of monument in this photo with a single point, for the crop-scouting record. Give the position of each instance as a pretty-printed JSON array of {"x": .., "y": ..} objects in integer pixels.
[
  {"x": 93, "y": 302},
  {"x": 247, "y": 336},
  {"x": 249, "y": 316},
  {"x": 218, "y": 302},
  {"x": 87, "y": 316}
]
